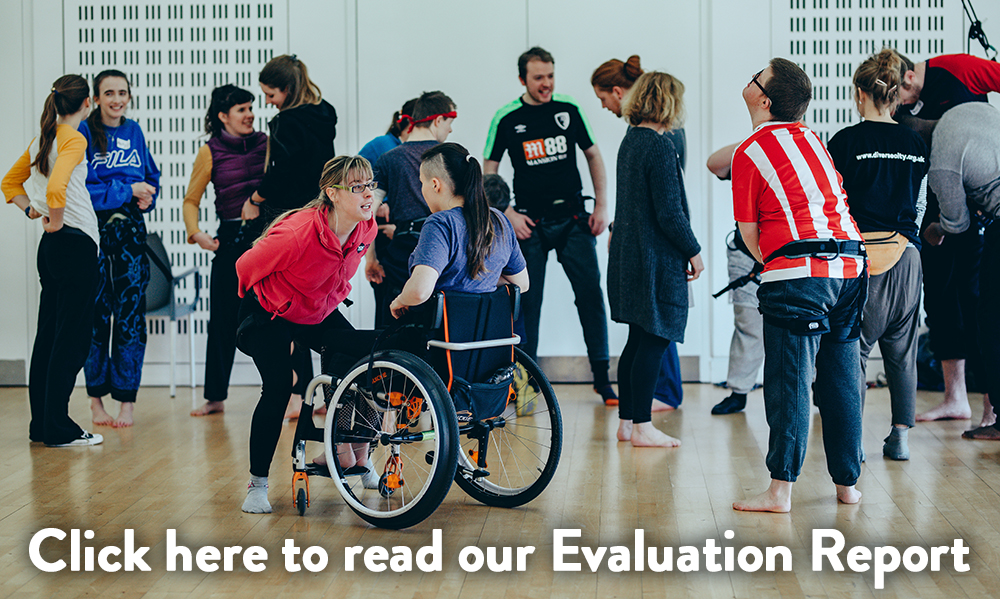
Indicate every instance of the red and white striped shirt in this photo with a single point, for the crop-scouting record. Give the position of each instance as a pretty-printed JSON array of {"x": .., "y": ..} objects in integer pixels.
[{"x": 784, "y": 180}]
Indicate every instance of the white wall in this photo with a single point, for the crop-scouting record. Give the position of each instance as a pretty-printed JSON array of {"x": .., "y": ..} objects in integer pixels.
[{"x": 369, "y": 56}]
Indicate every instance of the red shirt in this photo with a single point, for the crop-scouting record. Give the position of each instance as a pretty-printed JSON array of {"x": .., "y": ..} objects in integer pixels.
[
  {"x": 299, "y": 271},
  {"x": 784, "y": 180}
]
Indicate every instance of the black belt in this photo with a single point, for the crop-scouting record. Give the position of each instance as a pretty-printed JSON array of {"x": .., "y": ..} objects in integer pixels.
[{"x": 823, "y": 249}]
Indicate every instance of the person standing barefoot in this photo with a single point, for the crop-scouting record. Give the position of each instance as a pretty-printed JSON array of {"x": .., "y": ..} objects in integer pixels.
[{"x": 653, "y": 252}]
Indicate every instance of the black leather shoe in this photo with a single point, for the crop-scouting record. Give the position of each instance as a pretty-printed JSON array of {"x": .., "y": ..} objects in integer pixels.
[{"x": 732, "y": 404}]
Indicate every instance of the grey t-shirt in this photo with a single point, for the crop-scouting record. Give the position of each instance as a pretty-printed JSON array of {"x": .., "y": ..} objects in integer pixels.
[
  {"x": 442, "y": 247},
  {"x": 965, "y": 163}
]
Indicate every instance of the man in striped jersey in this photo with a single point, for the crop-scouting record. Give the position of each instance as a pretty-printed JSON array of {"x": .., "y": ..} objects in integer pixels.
[{"x": 792, "y": 212}]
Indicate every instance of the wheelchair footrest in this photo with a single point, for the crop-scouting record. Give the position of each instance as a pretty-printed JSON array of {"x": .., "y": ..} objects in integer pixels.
[{"x": 479, "y": 473}]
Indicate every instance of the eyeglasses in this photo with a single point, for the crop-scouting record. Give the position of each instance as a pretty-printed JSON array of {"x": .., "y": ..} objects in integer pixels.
[
  {"x": 757, "y": 83},
  {"x": 358, "y": 187}
]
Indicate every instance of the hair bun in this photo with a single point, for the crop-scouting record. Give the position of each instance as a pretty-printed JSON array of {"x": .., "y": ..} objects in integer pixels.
[{"x": 631, "y": 68}]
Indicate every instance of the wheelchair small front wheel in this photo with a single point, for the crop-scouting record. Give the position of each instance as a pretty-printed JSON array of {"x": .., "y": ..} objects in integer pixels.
[
  {"x": 523, "y": 453},
  {"x": 391, "y": 440}
]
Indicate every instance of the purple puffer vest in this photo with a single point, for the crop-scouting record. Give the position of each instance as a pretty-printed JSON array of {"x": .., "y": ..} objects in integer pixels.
[{"x": 237, "y": 170}]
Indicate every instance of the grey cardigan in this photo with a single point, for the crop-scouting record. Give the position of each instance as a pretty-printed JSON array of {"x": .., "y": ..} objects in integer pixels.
[{"x": 652, "y": 240}]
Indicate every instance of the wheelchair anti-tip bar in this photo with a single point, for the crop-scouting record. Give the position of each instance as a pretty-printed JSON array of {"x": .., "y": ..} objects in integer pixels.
[{"x": 474, "y": 344}]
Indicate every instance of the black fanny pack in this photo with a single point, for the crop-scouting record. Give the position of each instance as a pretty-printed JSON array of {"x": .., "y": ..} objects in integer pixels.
[{"x": 557, "y": 209}]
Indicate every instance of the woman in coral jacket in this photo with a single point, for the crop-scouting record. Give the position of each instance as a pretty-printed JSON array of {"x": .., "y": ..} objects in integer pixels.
[{"x": 292, "y": 281}]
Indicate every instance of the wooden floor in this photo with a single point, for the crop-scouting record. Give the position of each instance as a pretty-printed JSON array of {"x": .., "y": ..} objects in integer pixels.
[{"x": 172, "y": 471}]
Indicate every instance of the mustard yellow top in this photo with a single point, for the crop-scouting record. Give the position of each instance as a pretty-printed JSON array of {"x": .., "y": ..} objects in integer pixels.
[
  {"x": 201, "y": 174},
  {"x": 71, "y": 149}
]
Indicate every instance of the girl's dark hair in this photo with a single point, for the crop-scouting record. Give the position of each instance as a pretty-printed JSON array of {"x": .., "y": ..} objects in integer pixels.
[
  {"x": 290, "y": 75},
  {"x": 67, "y": 96},
  {"x": 98, "y": 137},
  {"x": 406, "y": 114},
  {"x": 615, "y": 73},
  {"x": 224, "y": 97},
  {"x": 462, "y": 170}
]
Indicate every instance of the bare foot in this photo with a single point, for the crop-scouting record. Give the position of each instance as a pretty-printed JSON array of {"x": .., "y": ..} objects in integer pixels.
[
  {"x": 624, "y": 430},
  {"x": 294, "y": 407},
  {"x": 99, "y": 416},
  {"x": 645, "y": 434},
  {"x": 983, "y": 433},
  {"x": 848, "y": 495},
  {"x": 947, "y": 410},
  {"x": 210, "y": 407},
  {"x": 659, "y": 406},
  {"x": 124, "y": 415},
  {"x": 989, "y": 416},
  {"x": 777, "y": 498}
]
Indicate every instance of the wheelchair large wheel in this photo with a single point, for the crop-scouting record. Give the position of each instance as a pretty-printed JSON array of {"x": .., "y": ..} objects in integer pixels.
[
  {"x": 405, "y": 422},
  {"x": 523, "y": 447}
]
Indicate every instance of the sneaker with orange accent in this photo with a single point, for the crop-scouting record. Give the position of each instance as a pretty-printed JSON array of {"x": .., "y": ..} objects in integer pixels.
[{"x": 607, "y": 394}]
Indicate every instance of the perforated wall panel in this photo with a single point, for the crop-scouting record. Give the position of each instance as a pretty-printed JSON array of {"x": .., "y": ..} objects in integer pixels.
[
  {"x": 174, "y": 55},
  {"x": 830, "y": 38}
]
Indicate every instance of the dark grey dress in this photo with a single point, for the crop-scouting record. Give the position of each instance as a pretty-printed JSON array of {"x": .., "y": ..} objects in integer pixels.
[{"x": 652, "y": 240}]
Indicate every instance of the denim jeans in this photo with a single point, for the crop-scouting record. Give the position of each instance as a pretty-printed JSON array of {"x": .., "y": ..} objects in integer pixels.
[
  {"x": 791, "y": 358},
  {"x": 575, "y": 250}
]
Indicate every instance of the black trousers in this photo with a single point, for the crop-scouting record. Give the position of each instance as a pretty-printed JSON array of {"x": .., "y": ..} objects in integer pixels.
[
  {"x": 67, "y": 268},
  {"x": 267, "y": 340},
  {"x": 223, "y": 312},
  {"x": 638, "y": 371}
]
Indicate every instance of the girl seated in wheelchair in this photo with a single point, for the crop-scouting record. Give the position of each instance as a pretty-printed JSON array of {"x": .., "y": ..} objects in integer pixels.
[
  {"x": 291, "y": 282},
  {"x": 464, "y": 245}
]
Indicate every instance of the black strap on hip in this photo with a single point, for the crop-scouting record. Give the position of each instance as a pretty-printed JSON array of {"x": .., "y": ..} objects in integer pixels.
[{"x": 823, "y": 249}]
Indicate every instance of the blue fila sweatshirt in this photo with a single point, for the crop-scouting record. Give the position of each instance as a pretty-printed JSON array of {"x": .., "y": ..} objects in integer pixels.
[{"x": 110, "y": 175}]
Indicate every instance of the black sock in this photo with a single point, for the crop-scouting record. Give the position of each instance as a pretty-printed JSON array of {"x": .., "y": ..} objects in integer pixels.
[{"x": 600, "y": 370}]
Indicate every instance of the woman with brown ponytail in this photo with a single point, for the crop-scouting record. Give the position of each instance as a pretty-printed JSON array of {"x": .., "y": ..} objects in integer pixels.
[
  {"x": 300, "y": 144},
  {"x": 884, "y": 167},
  {"x": 612, "y": 81},
  {"x": 55, "y": 168}
]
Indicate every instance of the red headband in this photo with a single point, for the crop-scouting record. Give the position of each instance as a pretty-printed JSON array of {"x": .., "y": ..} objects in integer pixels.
[{"x": 447, "y": 115}]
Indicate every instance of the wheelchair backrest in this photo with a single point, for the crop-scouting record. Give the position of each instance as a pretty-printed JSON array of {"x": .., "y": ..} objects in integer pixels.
[{"x": 464, "y": 317}]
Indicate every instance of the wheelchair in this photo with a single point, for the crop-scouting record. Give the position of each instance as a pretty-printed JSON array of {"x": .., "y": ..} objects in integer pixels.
[{"x": 462, "y": 404}]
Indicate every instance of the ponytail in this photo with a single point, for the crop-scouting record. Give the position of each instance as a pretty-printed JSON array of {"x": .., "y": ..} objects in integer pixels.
[
  {"x": 402, "y": 118},
  {"x": 466, "y": 178},
  {"x": 67, "y": 96},
  {"x": 290, "y": 75}
]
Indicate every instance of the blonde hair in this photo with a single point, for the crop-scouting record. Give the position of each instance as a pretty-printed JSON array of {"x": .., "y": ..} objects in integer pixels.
[
  {"x": 879, "y": 77},
  {"x": 337, "y": 171},
  {"x": 656, "y": 97}
]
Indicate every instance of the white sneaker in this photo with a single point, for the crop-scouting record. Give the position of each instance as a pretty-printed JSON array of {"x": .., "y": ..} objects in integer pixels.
[
  {"x": 83, "y": 440},
  {"x": 370, "y": 479}
]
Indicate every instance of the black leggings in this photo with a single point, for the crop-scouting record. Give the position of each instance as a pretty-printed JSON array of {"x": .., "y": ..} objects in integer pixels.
[
  {"x": 267, "y": 341},
  {"x": 638, "y": 369}
]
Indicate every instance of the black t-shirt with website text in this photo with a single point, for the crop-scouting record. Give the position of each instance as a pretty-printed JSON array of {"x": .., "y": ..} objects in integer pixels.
[{"x": 884, "y": 166}]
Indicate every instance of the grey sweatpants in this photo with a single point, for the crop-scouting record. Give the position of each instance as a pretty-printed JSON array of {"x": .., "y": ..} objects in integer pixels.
[
  {"x": 746, "y": 350},
  {"x": 890, "y": 318}
]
